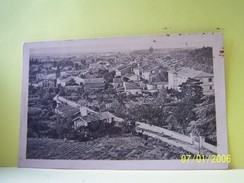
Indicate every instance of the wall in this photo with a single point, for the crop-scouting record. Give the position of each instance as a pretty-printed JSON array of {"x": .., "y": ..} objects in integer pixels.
[
  {"x": 164, "y": 131},
  {"x": 39, "y": 20}
]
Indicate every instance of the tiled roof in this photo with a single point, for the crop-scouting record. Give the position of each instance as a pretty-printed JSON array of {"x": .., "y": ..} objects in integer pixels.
[
  {"x": 191, "y": 73},
  {"x": 91, "y": 117},
  {"x": 106, "y": 115},
  {"x": 117, "y": 80},
  {"x": 150, "y": 67},
  {"x": 158, "y": 83},
  {"x": 204, "y": 74},
  {"x": 130, "y": 86},
  {"x": 123, "y": 67},
  {"x": 67, "y": 110},
  {"x": 65, "y": 79},
  {"x": 94, "y": 80}
]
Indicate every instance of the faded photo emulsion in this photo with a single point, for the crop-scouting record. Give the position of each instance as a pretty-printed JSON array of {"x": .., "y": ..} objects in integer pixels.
[{"x": 124, "y": 103}]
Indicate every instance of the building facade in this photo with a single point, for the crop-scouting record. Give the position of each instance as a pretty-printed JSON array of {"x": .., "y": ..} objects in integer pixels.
[{"x": 176, "y": 78}]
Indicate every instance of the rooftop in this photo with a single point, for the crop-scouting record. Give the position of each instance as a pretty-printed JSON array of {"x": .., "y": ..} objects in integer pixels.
[
  {"x": 158, "y": 83},
  {"x": 126, "y": 66},
  {"x": 149, "y": 67},
  {"x": 94, "y": 80},
  {"x": 130, "y": 86},
  {"x": 67, "y": 110},
  {"x": 204, "y": 74},
  {"x": 65, "y": 79},
  {"x": 106, "y": 115},
  {"x": 117, "y": 80},
  {"x": 91, "y": 117}
]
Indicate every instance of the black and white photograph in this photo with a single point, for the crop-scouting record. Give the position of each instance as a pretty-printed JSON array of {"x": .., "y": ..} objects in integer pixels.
[{"x": 124, "y": 102}]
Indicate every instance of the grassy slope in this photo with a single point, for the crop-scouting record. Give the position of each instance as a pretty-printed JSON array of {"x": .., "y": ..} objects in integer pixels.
[{"x": 119, "y": 148}]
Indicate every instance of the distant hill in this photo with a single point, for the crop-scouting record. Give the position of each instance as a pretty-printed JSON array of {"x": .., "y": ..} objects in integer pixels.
[{"x": 199, "y": 59}]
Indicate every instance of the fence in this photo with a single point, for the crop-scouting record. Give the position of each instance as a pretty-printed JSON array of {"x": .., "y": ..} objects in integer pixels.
[
  {"x": 210, "y": 147},
  {"x": 59, "y": 99},
  {"x": 166, "y": 132},
  {"x": 188, "y": 139},
  {"x": 68, "y": 102},
  {"x": 172, "y": 142}
]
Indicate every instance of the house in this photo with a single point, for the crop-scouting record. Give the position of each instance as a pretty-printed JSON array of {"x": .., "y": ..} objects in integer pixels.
[
  {"x": 111, "y": 104},
  {"x": 114, "y": 67},
  {"x": 87, "y": 116},
  {"x": 126, "y": 69},
  {"x": 207, "y": 80},
  {"x": 46, "y": 83},
  {"x": 63, "y": 81},
  {"x": 138, "y": 70},
  {"x": 90, "y": 75},
  {"x": 51, "y": 76},
  {"x": 151, "y": 72},
  {"x": 132, "y": 89},
  {"x": 156, "y": 85},
  {"x": 121, "y": 71},
  {"x": 148, "y": 72},
  {"x": 78, "y": 80},
  {"x": 177, "y": 77},
  {"x": 96, "y": 66},
  {"x": 64, "y": 74},
  {"x": 117, "y": 83},
  {"x": 82, "y": 115},
  {"x": 94, "y": 83},
  {"x": 109, "y": 117},
  {"x": 132, "y": 104},
  {"x": 40, "y": 76},
  {"x": 66, "y": 110},
  {"x": 132, "y": 77}
]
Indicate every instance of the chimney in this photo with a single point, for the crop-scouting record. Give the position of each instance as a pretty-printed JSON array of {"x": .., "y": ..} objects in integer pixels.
[{"x": 83, "y": 111}]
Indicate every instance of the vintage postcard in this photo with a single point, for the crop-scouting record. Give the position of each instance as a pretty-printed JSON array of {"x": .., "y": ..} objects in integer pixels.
[{"x": 146, "y": 102}]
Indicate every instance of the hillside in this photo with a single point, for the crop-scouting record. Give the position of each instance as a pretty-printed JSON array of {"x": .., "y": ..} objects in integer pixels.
[{"x": 116, "y": 148}]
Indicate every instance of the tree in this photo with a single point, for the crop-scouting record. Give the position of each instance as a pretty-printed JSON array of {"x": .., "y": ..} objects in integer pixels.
[
  {"x": 71, "y": 82},
  {"x": 58, "y": 70},
  {"x": 63, "y": 126},
  {"x": 173, "y": 94},
  {"x": 76, "y": 66},
  {"x": 172, "y": 123},
  {"x": 190, "y": 95},
  {"x": 184, "y": 114},
  {"x": 62, "y": 91},
  {"x": 205, "y": 124},
  {"x": 125, "y": 79},
  {"x": 192, "y": 90},
  {"x": 108, "y": 76},
  {"x": 162, "y": 97},
  {"x": 150, "y": 114}
]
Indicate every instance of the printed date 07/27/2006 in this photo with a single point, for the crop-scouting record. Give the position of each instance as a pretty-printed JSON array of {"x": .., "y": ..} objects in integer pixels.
[{"x": 200, "y": 158}]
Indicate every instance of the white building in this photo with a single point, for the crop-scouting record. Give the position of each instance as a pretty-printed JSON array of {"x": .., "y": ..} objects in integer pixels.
[
  {"x": 156, "y": 85},
  {"x": 82, "y": 115},
  {"x": 176, "y": 78},
  {"x": 64, "y": 80},
  {"x": 117, "y": 83},
  {"x": 131, "y": 89}
]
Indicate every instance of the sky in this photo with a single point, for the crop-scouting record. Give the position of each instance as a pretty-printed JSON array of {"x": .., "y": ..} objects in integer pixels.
[{"x": 121, "y": 44}]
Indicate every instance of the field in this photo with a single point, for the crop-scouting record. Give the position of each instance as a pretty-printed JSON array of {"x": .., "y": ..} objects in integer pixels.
[{"x": 118, "y": 148}]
